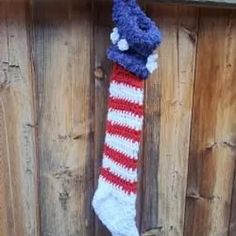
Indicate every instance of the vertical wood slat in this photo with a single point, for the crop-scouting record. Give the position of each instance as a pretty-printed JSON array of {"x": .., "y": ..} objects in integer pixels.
[
  {"x": 212, "y": 153},
  {"x": 18, "y": 165},
  {"x": 232, "y": 223},
  {"x": 102, "y": 68},
  {"x": 66, "y": 92},
  {"x": 168, "y": 118}
]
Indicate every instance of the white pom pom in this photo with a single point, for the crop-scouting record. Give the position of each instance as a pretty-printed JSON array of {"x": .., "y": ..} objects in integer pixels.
[
  {"x": 123, "y": 45},
  {"x": 152, "y": 57},
  {"x": 151, "y": 66},
  {"x": 115, "y": 29},
  {"x": 115, "y": 36}
]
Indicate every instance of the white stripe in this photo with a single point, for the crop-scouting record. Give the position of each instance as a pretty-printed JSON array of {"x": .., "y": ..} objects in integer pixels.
[
  {"x": 122, "y": 145},
  {"x": 124, "y": 118},
  {"x": 126, "y": 92},
  {"x": 119, "y": 170}
]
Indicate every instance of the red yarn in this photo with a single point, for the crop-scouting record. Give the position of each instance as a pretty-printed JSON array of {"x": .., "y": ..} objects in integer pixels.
[
  {"x": 119, "y": 182},
  {"x": 119, "y": 74},
  {"x": 124, "y": 105},
  {"x": 120, "y": 158},
  {"x": 121, "y": 130},
  {"x": 125, "y": 132}
]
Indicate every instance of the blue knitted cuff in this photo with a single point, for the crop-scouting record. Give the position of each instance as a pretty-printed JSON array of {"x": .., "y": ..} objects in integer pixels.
[{"x": 138, "y": 37}]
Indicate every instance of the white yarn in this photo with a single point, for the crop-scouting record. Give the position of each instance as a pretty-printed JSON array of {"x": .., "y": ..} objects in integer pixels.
[
  {"x": 119, "y": 170},
  {"x": 123, "y": 45},
  {"x": 151, "y": 66},
  {"x": 153, "y": 57},
  {"x": 151, "y": 62},
  {"x": 126, "y": 119},
  {"x": 126, "y": 92},
  {"x": 115, "y": 36},
  {"x": 115, "y": 191},
  {"x": 109, "y": 203},
  {"x": 122, "y": 145}
]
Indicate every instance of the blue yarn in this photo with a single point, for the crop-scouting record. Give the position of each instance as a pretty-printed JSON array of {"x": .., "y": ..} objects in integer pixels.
[{"x": 141, "y": 33}]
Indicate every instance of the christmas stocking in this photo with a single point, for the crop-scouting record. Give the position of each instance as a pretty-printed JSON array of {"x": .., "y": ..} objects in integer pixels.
[{"x": 134, "y": 40}]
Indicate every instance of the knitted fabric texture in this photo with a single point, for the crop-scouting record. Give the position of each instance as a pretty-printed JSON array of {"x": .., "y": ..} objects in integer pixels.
[
  {"x": 134, "y": 40},
  {"x": 114, "y": 200},
  {"x": 140, "y": 33}
]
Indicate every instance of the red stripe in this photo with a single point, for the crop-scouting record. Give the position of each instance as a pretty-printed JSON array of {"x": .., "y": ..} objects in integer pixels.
[
  {"x": 124, "y": 105},
  {"x": 123, "y": 131},
  {"x": 130, "y": 187},
  {"x": 122, "y": 75},
  {"x": 120, "y": 158}
]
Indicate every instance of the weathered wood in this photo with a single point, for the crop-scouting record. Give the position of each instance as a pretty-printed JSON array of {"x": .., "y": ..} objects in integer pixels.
[
  {"x": 7, "y": 219},
  {"x": 66, "y": 58},
  {"x": 168, "y": 119},
  {"x": 205, "y": 3},
  {"x": 65, "y": 88},
  {"x": 102, "y": 29},
  {"x": 212, "y": 149},
  {"x": 18, "y": 166},
  {"x": 151, "y": 134},
  {"x": 214, "y": 3},
  {"x": 232, "y": 225}
]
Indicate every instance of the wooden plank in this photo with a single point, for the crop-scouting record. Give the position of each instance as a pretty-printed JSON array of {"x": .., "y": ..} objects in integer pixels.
[
  {"x": 18, "y": 166},
  {"x": 66, "y": 126},
  {"x": 212, "y": 150},
  {"x": 7, "y": 219},
  {"x": 205, "y": 3},
  {"x": 141, "y": 162},
  {"x": 102, "y": 69},
  {"x": 167, "y": 121},
  {"x": 208, "y": 3},
  {"x": 232, "y": 225}
]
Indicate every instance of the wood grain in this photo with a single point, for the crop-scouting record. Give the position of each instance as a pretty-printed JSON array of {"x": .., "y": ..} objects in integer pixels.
[
  {"x": 205, "y": 3},
  {"x": 232, "y": 224},
  {"x": 18, "y": 166},
  {"x": 66, "y": 125},
  {"x": 102, "y": 29},
  {"x": 168, "y": 119},
  {"x": 214, "y": 3},
  {"x": 212, "y": 149},
  {"x": 53, "y": 103}
]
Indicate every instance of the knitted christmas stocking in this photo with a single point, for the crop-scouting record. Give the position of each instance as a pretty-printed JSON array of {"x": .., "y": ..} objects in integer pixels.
[
  {"x": 114, "y": 201},
  {"x": 134, "y": 41}
]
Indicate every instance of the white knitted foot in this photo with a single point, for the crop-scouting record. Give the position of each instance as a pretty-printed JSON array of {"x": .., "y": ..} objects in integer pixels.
[{"x": 115, "y": 210}]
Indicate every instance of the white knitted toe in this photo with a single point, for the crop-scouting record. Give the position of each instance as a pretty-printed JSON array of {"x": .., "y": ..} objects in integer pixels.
[{"x": 115, "y": 209}]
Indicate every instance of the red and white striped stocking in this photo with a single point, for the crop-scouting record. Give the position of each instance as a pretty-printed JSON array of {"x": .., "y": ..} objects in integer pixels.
[{"x": 115, "y": 198}]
